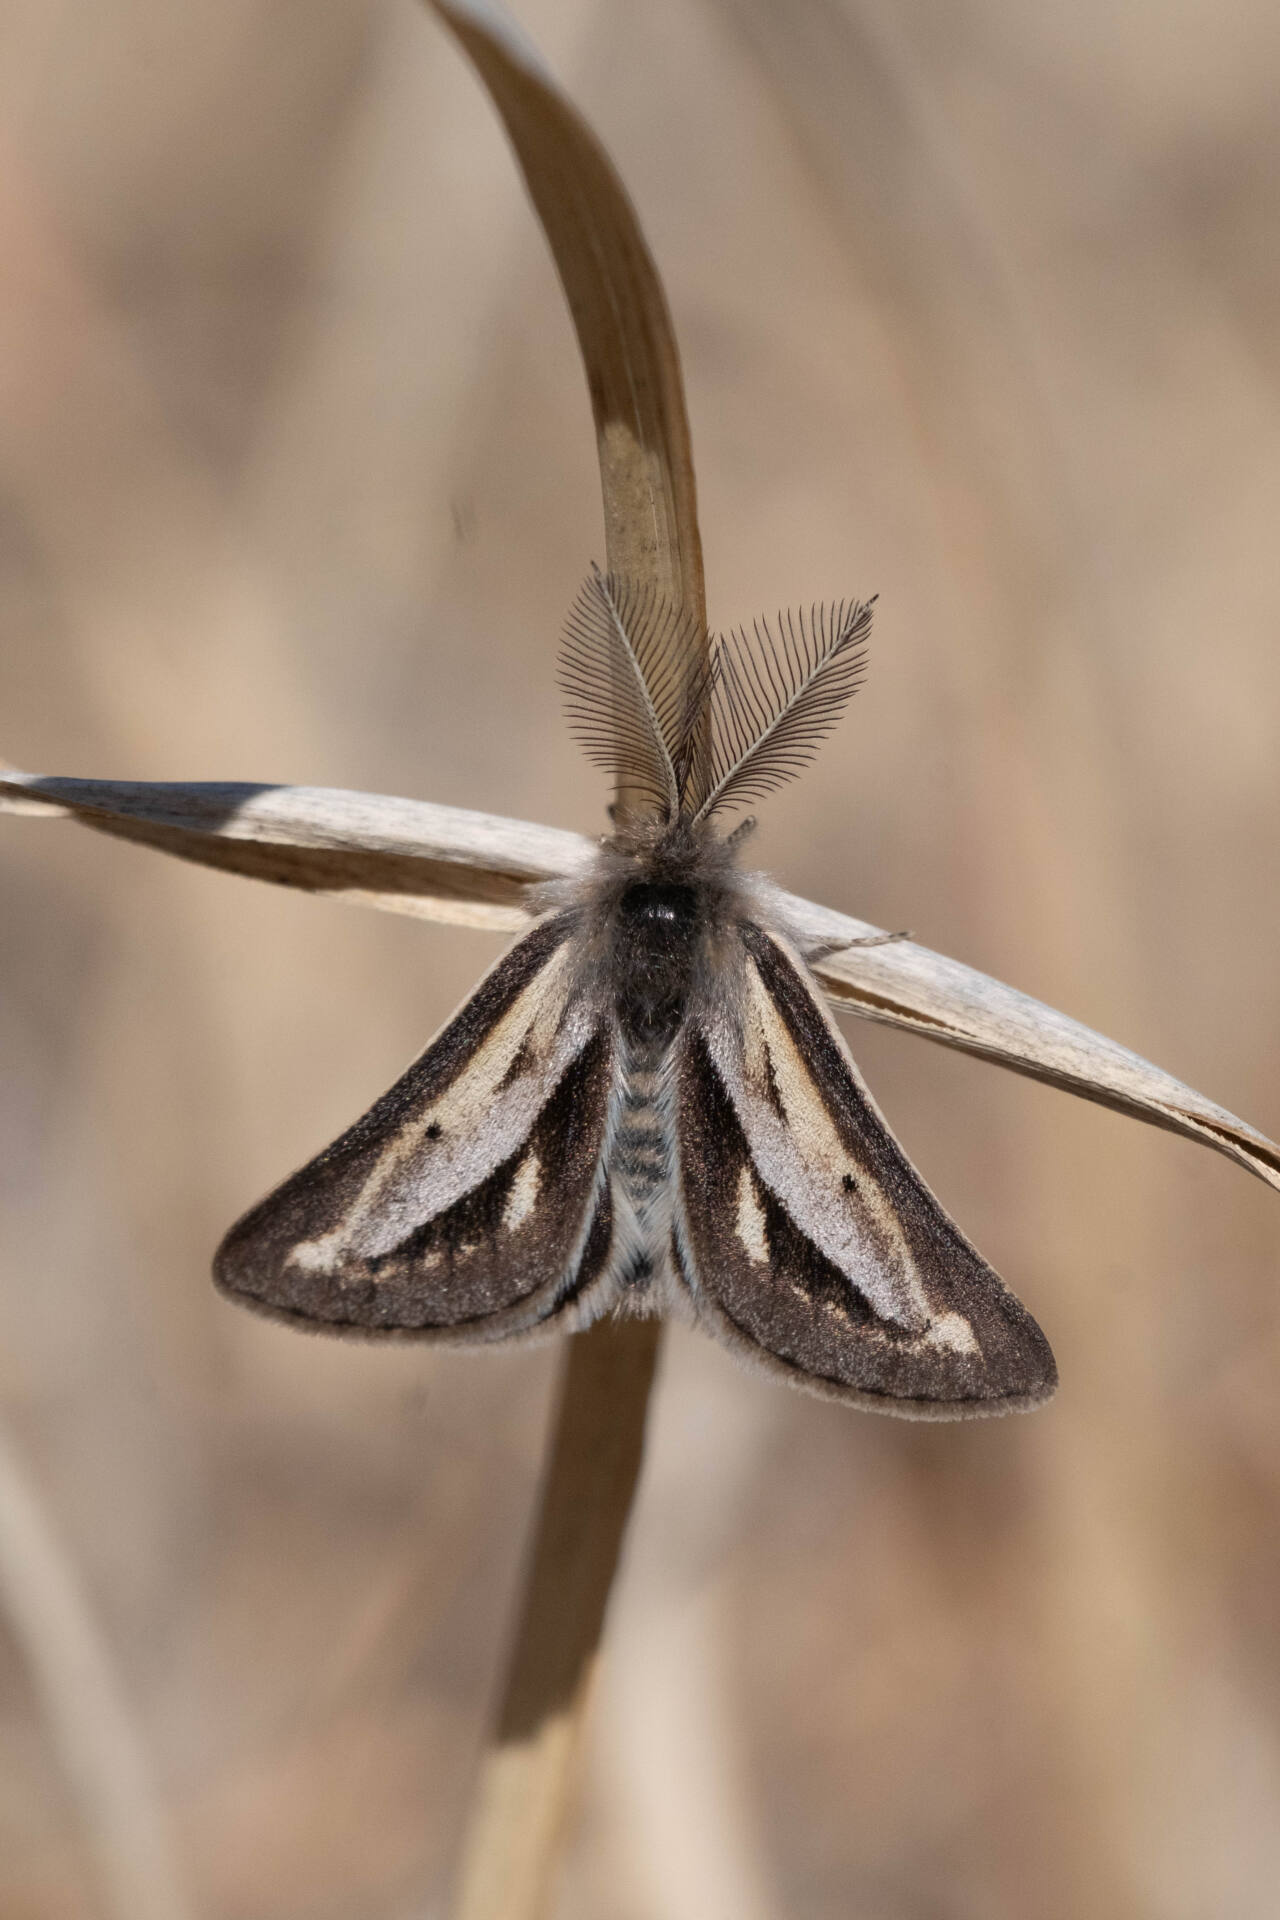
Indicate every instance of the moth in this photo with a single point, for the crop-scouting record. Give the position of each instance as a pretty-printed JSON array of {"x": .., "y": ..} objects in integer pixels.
[{"x": 645, "y": 1106}]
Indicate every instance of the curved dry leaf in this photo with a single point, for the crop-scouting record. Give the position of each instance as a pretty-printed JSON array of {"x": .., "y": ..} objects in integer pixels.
[
  {"x": 651, "y": 537},
  {"x": 475, "y": 869},
  {"x": 618, "y": 306},
  {"x": 403, "y": 856},
  {"x": 905, "y": 985}
]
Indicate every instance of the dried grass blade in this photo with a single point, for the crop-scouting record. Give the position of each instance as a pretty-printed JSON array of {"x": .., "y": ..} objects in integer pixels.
[
  {"x": 618, "y": 306},
  {"x": 84, "y": 1704},
  {"x": 651, "y": 538},
  {"x": 475, "y": 869},
  {"x": 905, "y": 985},
  {"x": 402, "y": 856}
]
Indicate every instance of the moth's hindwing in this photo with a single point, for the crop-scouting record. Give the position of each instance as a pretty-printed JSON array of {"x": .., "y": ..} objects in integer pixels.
[
  {"x": 470, "y": 1202},
  {"x": 806, "y": 1236}
]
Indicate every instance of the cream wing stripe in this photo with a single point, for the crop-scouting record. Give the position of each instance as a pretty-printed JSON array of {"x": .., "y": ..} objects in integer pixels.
[
  {"x": 801, "y": 1158},
  {"x": 448, "y": 1148}
]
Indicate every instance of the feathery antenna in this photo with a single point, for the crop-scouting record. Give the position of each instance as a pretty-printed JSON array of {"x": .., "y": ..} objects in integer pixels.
[
  {"x": 634, "y": 678},
  {"x": 775, "y": 696},
  {"x": 638, "y": 686}
]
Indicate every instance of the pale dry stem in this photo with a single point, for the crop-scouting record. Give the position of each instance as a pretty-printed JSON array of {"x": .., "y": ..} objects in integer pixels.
[
  {"x": 632, "y": 366},
  {"x": 85, "y": 1708},
  {"x": 528, "y": 1773}
]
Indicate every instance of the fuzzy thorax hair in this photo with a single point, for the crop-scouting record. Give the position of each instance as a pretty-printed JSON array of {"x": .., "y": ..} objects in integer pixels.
[{"x": 656, "y": 911}]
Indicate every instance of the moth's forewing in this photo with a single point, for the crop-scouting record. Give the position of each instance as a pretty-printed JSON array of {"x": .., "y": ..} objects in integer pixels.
[
  {"x": 468, "y": 1203},
  {"x": 806, "y": 1236}
]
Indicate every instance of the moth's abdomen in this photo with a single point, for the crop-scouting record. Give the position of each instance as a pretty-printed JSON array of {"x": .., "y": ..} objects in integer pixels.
[
  {"x": 640, "y": 1161},
  {"x": 640, "y": 1153}
]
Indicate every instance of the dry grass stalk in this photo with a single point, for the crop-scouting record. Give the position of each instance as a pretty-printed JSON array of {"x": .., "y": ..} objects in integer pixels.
[
  {"x": 103, "y": 1757},
  {"x": 528, "y": 1773},
  {"x": 474, "y": 869},
  {"x": 651, "y": 537}
]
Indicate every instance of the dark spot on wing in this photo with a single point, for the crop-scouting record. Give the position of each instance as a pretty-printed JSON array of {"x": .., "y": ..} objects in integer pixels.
[
  {"x": 771, "y": 1087},
  {"x": 522, "y": 1060}
]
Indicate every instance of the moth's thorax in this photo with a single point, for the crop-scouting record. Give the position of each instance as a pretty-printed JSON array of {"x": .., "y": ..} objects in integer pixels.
[
  {"x": 653, "y": 913},
  {"x": 659, "y": 927}
]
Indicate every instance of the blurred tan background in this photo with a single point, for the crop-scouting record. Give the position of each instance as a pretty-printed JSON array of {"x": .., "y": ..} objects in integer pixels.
[{"x": 980, "y": 306}]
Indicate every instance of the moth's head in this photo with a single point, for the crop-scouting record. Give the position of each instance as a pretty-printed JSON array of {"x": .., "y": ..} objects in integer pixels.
[
  {"x": 690, "y": 726},
  {"x": 672, "y": 851},
  {"x": 652, "y": 876}
]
